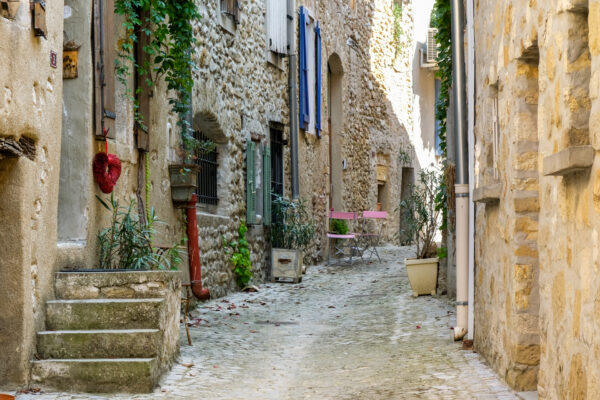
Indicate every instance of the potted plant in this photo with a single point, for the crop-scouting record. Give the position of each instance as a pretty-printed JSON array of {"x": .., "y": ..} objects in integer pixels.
[
  {"x": 291, "y": 232},
  {"x": 184, "y": 181},
  {"x": 420, "y": 222},
  {"x": 127, "y": 243}
]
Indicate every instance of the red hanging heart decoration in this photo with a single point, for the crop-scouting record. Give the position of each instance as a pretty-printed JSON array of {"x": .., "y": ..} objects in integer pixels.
[{"x": 107, "y": 170}]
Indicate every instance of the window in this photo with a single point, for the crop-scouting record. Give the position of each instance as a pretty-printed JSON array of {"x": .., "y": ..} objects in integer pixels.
[
  {"x": 231, "y": 8},
  {"x": 104, "y": 71},
  {"x": 310, "y": 73},
  {"x": 495, "y": 135},
  {"x": 277, "y": 26},
  {"x": 207, "y": 175},
  {"x": 277, "y": 161}
]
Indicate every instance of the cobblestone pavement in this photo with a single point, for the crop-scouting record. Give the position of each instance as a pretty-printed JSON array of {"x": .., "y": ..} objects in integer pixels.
[{"x": 345, "y": 332}]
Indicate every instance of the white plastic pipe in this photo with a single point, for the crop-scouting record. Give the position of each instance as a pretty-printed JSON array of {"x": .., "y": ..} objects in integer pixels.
[
  {"x": 462, "y": 260},
  {"x": 471, "y": 140}
]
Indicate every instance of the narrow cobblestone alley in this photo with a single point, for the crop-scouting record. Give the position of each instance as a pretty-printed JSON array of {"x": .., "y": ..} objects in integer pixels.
[{"x": 343, "y": 333}]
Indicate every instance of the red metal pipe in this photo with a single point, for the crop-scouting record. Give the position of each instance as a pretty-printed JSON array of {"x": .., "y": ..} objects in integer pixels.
[{"x": 194, "y": 252}]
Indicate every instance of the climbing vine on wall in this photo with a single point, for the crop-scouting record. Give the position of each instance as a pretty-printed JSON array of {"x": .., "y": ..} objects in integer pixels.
[
  {"x": 441, "y": 18},
  {"x": 168, "y": 27},
  {"x": 397, "y": 12}
]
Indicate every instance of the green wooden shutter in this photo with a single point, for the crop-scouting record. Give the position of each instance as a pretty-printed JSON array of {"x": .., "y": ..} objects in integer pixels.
[
  {"x": 250, "y": 183},
  {"x": 267, "y": 186}
]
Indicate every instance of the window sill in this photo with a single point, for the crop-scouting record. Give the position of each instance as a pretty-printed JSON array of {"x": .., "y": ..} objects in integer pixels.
[
  {"x": 488, "y": 194},
  {"x": 569, "y": 160},
  {"x": 276, "y": 60},
  {"x": 206, "y": 219},
  {"x": 227, "y": 23}
]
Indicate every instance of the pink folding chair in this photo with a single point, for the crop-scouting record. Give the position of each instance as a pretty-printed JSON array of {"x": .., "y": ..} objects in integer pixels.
[
  {"x": 370, "y": 240},
  {"x": 342, "y": 242}
]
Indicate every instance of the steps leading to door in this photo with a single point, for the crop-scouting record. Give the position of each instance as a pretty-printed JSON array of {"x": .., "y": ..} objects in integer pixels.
[{"x": 108, "y": 331}]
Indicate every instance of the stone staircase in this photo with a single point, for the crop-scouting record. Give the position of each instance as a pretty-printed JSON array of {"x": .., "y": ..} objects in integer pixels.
[{"x": 108, "y": 332}]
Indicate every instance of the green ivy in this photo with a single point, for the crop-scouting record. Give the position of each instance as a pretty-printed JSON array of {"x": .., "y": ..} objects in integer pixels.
[
  {"x": 168, "y": 24},
  {"x": 397, "y": 12},
  {"x": 441, "y": 18},
  {"x": 240, "y": 256}
]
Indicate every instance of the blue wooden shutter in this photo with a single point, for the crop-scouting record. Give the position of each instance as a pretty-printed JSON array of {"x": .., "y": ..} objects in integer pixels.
[
  {"x": 250, "y": 183},
  {"x": 267, "y": 186},
  {"x": 318, "y": 80},
  {"x": 303, "y": 86}
]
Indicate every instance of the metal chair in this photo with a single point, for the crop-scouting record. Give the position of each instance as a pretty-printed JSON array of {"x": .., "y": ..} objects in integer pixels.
[
  {"x": 370, "y": 240},
  {"x": 342, "y": 241}
]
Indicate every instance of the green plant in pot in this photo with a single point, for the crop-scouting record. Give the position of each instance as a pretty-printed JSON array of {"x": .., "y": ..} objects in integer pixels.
[
  {"x": 420, "y": 221},
  {"x": 292, "y": 230},
  {"x": 127, "y": 242}
]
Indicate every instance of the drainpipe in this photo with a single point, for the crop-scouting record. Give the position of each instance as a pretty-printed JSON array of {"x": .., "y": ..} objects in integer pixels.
[
  {"x": 194, "y": 252},
  {"x": 292, "y": 78},
  {"x": 471, "y": 108},
  {"x": 462, "y": 172}
]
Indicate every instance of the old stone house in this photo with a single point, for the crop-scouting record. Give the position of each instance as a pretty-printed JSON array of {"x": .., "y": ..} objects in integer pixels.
[
  {"x": 536, "y": 174},
  {"x": 374, "y": 101}
]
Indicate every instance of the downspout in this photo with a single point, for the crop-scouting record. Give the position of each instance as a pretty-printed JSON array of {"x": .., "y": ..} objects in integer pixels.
[
  {"x": 292, "y": 78},
  {"x": 194, "y": 252},
  {"x": 471, "y": 108},
  {"x": 462, "y": 172}
]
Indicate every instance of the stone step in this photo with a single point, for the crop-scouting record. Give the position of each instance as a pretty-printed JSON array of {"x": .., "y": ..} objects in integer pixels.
[
  {"x": 131, "y": 375},
  {"x": 125, "y": 343},
  {"x": 103, "y": 314},
  {"x": 115, "y": 284}
]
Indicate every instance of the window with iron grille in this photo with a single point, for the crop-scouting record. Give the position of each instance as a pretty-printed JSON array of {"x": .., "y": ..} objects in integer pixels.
[
  {"x": 276, "y": 161},
  {"x": 231, "y": 8},
  {"x": 207, "y": 173}
]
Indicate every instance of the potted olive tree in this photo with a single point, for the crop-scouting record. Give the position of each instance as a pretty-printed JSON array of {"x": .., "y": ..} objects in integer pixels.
[
  {"x": 420, "y": 222},
  {"x": 291, "y": 232}
]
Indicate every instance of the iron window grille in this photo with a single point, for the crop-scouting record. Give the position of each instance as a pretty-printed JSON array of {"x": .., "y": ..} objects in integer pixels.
[
  {"x": 231, "y": 8},
  {"x": 207, "y": 173},
  {"x": 277, "y": 161}
]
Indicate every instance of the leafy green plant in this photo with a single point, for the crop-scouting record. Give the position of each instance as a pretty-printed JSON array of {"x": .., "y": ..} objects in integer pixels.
[
  {"x": 291, "y": 227},
  {"x": 240, "y": 256},
  {"x": 127, "y": 243},
  {"x": 338, "y": 226},
  {"x": 419, "y": 213},
  {"x": 397, "y": 12},
  {"x": 167, "y": 27},
  {"x": 441, "y": 18}
]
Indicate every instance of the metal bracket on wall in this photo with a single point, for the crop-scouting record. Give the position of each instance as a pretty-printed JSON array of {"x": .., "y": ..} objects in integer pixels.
[{"x": 9, "y": 8}]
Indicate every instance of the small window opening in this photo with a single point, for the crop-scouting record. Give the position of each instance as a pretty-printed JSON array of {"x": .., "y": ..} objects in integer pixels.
[{"x": 207, "y": 174}]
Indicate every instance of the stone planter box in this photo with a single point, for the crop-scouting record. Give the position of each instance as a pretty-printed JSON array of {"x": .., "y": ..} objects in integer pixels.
[
  {"x": 422, "y": 275},
  {"x": 286, "y": 264},
  {"x": 184, "y": 181}
]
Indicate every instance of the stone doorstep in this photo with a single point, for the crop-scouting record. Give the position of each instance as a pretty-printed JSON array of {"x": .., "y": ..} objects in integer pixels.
[
  {"x": 106, "y": 343},
  {"x": 104, "y": 314},
  {"x": 118, "y": 285},
  {"x": 130, "y": 375},
  {"x": 569, "y": 160}
]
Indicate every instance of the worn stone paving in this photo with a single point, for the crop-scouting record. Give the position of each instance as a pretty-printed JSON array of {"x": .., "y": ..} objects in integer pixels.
[{"x": 345, "y": 332}]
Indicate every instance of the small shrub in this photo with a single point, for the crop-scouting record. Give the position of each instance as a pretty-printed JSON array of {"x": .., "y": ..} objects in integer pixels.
[
  {"x": 240, "y": 256},
  {"x": 291, "y": 227},
  {"x": 339, "y": 226},
  {"x": 127, "y": 243}
]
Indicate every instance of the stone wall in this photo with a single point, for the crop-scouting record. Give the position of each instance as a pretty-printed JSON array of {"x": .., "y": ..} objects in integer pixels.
[{"x": 536, "y": 292}]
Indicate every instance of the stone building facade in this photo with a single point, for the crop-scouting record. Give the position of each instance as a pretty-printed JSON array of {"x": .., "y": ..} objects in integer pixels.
[
  {"x": 49, "y": 215},
  {"x": 536, "y": 253}
]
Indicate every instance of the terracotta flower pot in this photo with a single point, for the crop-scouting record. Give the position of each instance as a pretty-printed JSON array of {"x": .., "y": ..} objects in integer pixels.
[{"x": 184, "y": 181}]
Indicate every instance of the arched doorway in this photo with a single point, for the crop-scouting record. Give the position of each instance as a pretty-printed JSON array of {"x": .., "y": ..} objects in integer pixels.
[{"x": 335, "y": 112}]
